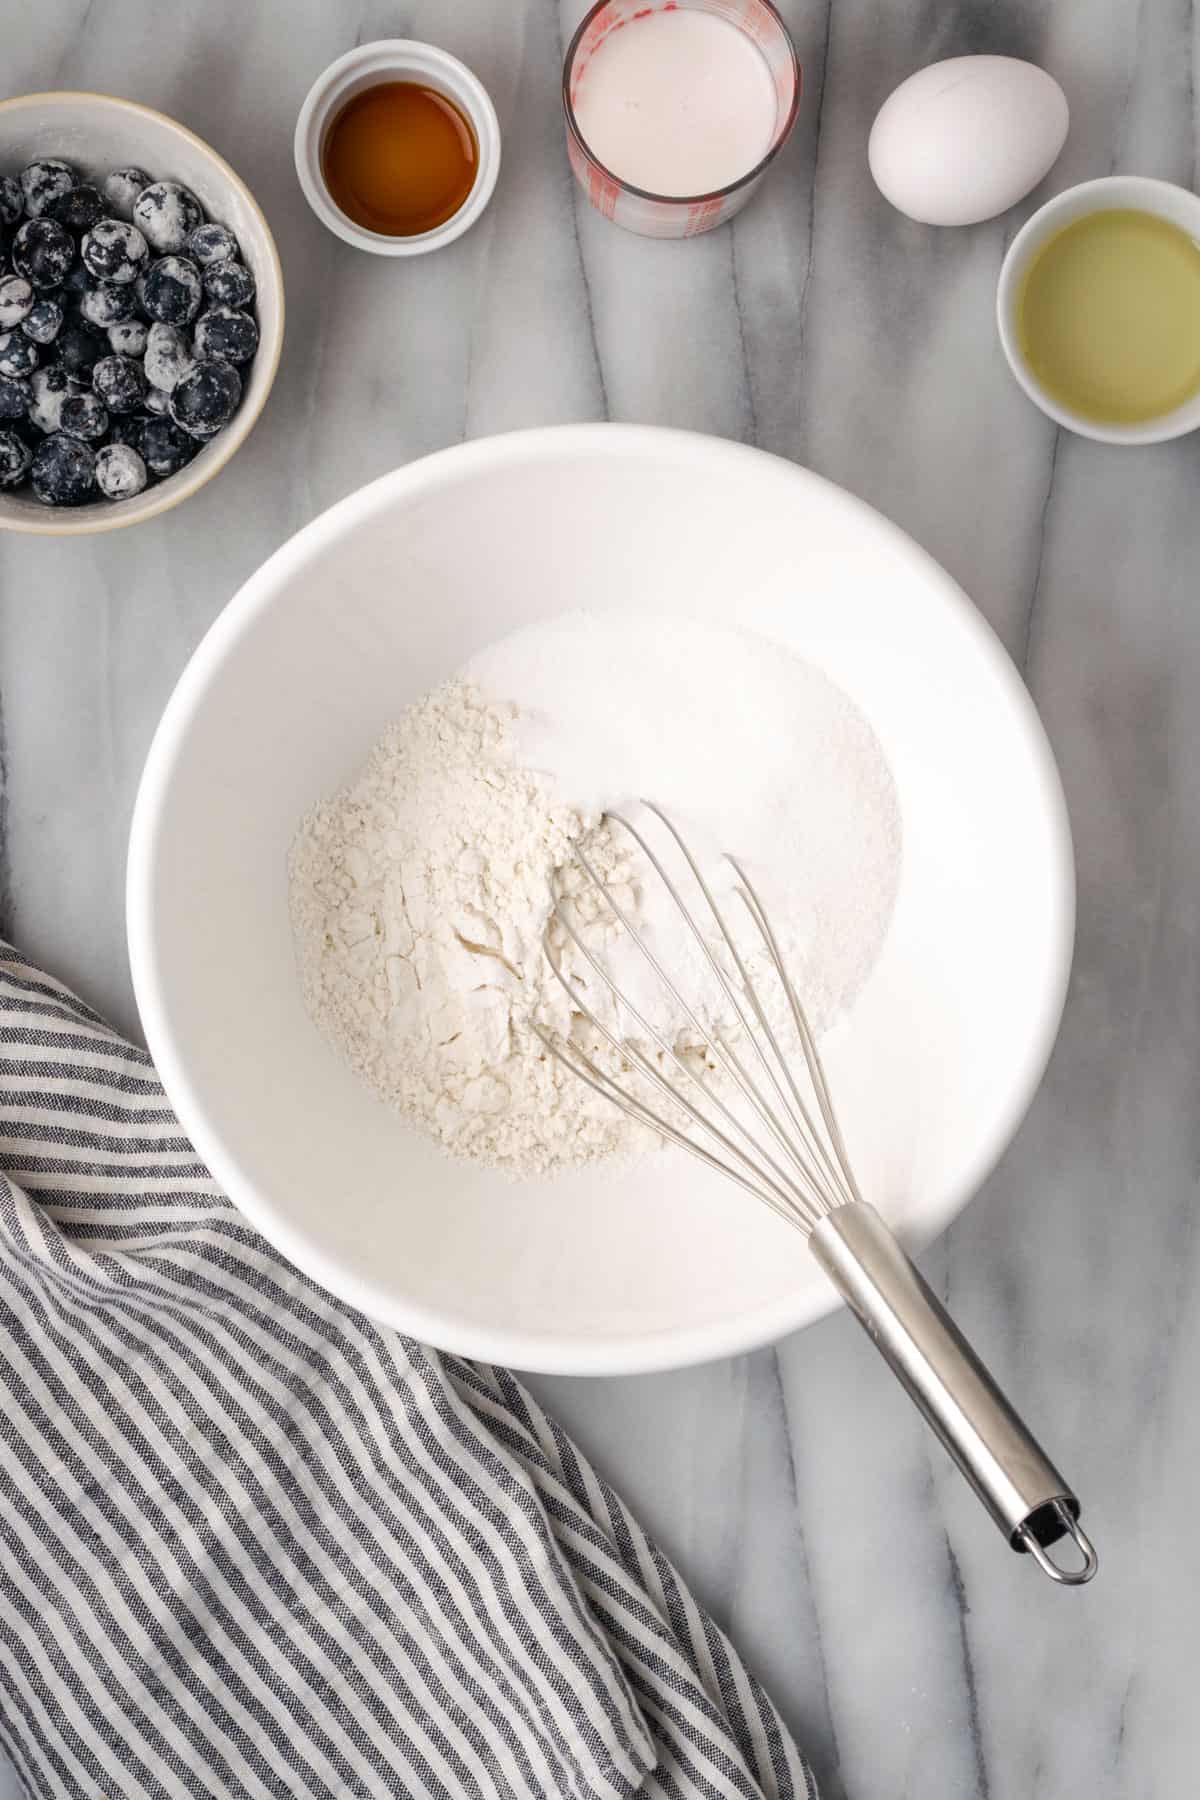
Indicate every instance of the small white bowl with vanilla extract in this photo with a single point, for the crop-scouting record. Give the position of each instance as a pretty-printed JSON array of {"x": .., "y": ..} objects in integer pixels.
[
  {"x": 397, "y": 147},
  {"x": 1099, "y": 309}
]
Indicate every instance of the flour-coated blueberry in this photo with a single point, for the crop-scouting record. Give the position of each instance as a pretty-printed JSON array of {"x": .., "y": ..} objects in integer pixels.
[
  {"x": 167, "y": 213},
  {"x": 77, "y": 208},
  {"x": 43, "y": 321},
  {"x": 12, "y": 202},
  {"x": 49, "y": 387},
  {"x": 115, "y": 251},
  {"x": 84, "y": 416},
  {"x": 207, "y": 398},
  {"x": 79, "y": 347},
  {"x": 129, "y": 337},
  {"x": 42, "y": 182},
  {"x": 229, "y": 283},
  {"x": 15, "y": 458},
  {"x": 211, "y": 243},
  {"x": 16, "y": 396},
  {"x": 120, "y": 381},
  {"x": 106, "y": 303},
  {"x": 121, "y": 189},
  {"x": 18, "y": 354},
  {"x": 164, "y": 447},
  {"x": 223, "y": 332},
  {"x": 120, "y": 471},
  {"x": 168, "y": 356},
  {"x": 43, "y": 251},
  {"x": 16, "y": 300},
  {"x": 63, "y": 470},
  {"x": 171, "y": 291}
]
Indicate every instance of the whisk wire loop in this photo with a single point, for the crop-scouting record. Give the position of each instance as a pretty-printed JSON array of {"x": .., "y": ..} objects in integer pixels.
[
  {"x": 786, "y": 1095},
  {"x": 836, "y": 1168},
  {"x": 586, "y": 1070},
  {"x": 778, "y": 1182},
  {"x": 840, "y": 1170}
]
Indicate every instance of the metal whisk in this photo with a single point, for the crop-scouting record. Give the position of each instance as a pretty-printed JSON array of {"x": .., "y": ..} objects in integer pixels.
[{"x": 779, "y": 1139}]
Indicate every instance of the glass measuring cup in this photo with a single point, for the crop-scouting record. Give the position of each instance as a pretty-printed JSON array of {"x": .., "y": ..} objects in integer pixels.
[{"x": 669, "y": 215}]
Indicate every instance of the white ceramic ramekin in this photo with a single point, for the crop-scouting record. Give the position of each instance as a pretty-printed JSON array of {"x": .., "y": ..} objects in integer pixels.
[
  {"x": 1141, "y": 194},
  {"x": 395, "y": 59}
]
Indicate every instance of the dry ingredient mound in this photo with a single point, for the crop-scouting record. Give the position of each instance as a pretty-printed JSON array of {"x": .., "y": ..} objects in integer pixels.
[
  {"x": 419, "y": 898},
  {"x": 420, "y": 895}
]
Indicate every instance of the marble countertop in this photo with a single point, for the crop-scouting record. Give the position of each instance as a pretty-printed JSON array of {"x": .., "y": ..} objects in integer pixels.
[{"x": 796, "y": 1490}]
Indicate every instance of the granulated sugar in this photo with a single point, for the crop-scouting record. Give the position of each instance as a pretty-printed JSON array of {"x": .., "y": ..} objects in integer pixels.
[
  {"x": 750, "y": 750},
  {"x": 421, "y": 893}
]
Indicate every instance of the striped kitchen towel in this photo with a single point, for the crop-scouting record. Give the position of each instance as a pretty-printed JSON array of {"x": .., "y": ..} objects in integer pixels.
[{"x": 252, "y": 1544}]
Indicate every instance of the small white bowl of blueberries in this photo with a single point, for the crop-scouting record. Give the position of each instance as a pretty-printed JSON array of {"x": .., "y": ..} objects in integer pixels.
[{"x": 141, "y": 313}]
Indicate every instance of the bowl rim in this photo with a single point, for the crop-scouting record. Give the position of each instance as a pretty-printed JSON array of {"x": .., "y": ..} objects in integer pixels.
[
  {"x": 640, "y": 1352},
  {"x": 1141, "y": 193},
  {"x": 114, "y": 517}
]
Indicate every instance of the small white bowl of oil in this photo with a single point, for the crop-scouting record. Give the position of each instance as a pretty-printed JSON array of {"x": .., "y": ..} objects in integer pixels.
[{"x": 1099, "y": 309}]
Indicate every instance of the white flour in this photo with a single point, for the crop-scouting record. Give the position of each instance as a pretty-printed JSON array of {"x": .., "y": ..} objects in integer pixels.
[{"x": 421, "y": 893}]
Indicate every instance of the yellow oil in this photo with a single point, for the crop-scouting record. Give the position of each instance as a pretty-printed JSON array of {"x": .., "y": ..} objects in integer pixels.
[{"x": 1109, "y": 316}]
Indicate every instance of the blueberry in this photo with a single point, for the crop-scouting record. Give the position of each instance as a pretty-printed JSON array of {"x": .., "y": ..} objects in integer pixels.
[
  {"x": 127, "y": 429},
  {"x": 207, "y": 398},
  {"x": 43, "y": 321},
  {"x": 164, "y": 447},
  {"x": 167, "y": 214},
  {"x": 63, "y": 470},
  {"x": 43, "y": 251},
  {"x": 107, "y": 304},
  {"x": 120, "y": 471},
  {"x": 78, "y": 208},
  {"x": 16, "y": 300},
  {"x": 120, "y": 382},
  {"x": 168, "y": 357},
  {"x": 16, "y": 396},
  {"x": 171, "y": 292},
  {"x": 79, "y": 347},
  {"x": 42, "y": 182},
  {"x": 122, "y": 188},
  {"x": 211, "y": 244},
  {"x": 12, "y": 203},
  {"x": 75, "y": 284},
  {"x": 157, "y": 400},
  {"x": 27, "y": 432},
  {"x": 129, "y": 337},
  {"x": 114, "y": 251},
  {"x": 227, "y": 334},
  {"x": 15, "y": 458},
  {"x": 229, "y": 283},
  {"x": 18, "y": 354},
  {"x": 49, "y": 389},
  {"x": 83, "y": 416}
]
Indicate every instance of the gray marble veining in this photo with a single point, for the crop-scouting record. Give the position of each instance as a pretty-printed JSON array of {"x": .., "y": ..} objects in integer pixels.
[{"x": 796, "y": 1490}]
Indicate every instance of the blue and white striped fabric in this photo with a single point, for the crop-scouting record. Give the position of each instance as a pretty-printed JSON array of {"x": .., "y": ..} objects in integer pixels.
[{"x": 252, "y": 1544}]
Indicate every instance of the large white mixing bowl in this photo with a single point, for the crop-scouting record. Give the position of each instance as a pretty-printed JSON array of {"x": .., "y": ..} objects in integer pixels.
[{"x": 384, "y": 596}]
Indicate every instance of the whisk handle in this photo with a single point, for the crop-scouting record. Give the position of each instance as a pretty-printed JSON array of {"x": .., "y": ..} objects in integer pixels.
[{"x": 1018, "y": 1484}]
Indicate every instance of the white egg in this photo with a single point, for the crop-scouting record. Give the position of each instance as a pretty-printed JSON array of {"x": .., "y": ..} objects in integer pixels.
[{"x": 966, "y": 139}]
